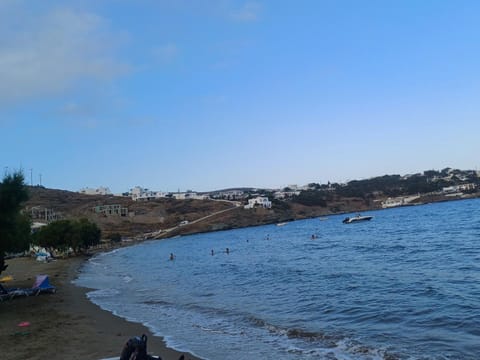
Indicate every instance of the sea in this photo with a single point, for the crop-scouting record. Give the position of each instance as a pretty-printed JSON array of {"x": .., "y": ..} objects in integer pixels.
[{"x": 405, "y": 285}]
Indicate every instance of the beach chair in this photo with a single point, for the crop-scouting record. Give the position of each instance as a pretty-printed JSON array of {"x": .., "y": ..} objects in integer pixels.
[
  {"x": 8, "y": 294},
  {"x": 42, "y": 285}
]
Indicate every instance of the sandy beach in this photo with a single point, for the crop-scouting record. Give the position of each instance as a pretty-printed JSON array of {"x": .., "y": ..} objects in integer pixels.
[{"x": 64, "y": 325}]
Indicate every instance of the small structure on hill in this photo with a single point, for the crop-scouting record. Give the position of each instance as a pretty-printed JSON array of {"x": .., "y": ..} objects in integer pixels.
[
  {"x": 109, "y": 210},
  {"x": 138, "y": 194},
  {"x": 98, "y": 191},
  {"x": 42, "y": 213},
  {"x": 261, "y": 201}
]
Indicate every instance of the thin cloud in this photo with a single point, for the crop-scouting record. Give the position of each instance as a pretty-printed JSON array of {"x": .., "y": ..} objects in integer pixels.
[
  {"x": 166, "y": 53},
  {"x": 79, "y": 109},
  {"x": 89, "y": 114},
  {"x": 52, "y": 53},
  {"x": 75, "y": 114},
  {"x": 250, "y": 11}
]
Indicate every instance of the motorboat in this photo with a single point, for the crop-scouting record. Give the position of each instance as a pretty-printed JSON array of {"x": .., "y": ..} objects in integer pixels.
[{"x": 356, "y": 218}]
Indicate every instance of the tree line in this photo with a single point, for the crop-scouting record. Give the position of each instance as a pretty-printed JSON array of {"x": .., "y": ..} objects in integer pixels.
[
  {"x": 15, "y": 227},
  {"x": 388, "y": 185}
]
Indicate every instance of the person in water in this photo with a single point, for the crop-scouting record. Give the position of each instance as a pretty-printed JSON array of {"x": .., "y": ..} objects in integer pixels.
[
  {"x": 213, "y": 252},
  {"x": 172, "y": 257},
  {"x": 227, "y": 250}
]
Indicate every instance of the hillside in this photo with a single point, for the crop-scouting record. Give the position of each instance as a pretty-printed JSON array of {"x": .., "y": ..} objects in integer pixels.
[
  {"x": 138, "y": 218},
  {"x": 150, "y": 218},
  {"x": 165, "y": 217}
]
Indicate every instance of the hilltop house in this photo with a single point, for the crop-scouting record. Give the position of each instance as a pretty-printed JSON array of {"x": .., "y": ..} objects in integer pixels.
[
  {"x": 139, "y": 193},
  {"x": 228, "y": 194},
  {"x": 259, "y": 201},
  {"x": 285, "y": 194},
  {"x": 189, "y": 195}
]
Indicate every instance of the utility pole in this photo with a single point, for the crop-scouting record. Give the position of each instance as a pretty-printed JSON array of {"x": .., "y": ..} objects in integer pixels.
[
  {"x": 40, "y": 176},
  {"x": 31, "y": 177}
]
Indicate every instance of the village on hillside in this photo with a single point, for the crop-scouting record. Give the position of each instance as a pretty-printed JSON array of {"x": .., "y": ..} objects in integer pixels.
[
  {"x": 143, "y": 213},
  {"x": 449, "y": 182}
]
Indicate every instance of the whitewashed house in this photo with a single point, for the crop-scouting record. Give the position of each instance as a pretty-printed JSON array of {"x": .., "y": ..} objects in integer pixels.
[
  {"x": 189, "y": 195},
  {"x": 399, "y": 201},
  {"x": 228, "y": 195},
  {"x": 458, "y": 188},
  {"x": 138, "y": 193},
  {"x": 259, "y": 201},
  {"x": 285, "y": 194}
]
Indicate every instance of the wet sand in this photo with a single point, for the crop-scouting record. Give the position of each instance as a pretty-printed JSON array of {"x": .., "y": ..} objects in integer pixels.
[{"x": 64, "y": 325}]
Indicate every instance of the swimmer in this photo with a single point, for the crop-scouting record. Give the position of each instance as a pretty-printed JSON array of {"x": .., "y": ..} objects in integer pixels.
[
  {"x": 172, "y": 257},
  {"x": 227, "y": 250}
]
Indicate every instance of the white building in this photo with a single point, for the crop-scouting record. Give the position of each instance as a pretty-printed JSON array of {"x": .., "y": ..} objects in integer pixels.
[
  {"x": 399, "y": 201},
  {"x": 285, "y": 194},
  {"x": 458, "y": 188},
  {"x": 189, "y": 195},
  {"x": 139, "y": 193},
  {"x": 229, "y": 194},
  {"x": 259, "y": 201},
  {"x": 99, "y": 191}
]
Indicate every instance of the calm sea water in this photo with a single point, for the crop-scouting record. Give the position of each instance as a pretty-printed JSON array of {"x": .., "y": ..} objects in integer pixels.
[{"x": 405, "y": 285}]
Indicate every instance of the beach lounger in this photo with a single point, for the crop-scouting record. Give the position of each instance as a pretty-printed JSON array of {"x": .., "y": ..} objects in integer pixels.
[
  {"x": 10, "y": 293},
  {"x": 42, "y": 285}
]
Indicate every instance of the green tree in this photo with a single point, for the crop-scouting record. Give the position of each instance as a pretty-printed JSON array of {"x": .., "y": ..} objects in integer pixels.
[
  {"x": 311, "y": 198},
  {"x": 63, "y": 234},
  {"x": 87, "y": 232},
  {"x": 14, "y": 226},
  {"x": 57, "y": 234}
]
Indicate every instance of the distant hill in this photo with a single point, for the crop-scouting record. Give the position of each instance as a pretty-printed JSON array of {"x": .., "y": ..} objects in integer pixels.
[
  {"x": 143, "y": 218},
  {"x": 162, "y": 217},
  {"x": 138, "y": 217}
]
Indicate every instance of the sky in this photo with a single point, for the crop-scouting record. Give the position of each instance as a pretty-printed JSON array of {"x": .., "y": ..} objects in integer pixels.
[{"x": 212, "y": 94}]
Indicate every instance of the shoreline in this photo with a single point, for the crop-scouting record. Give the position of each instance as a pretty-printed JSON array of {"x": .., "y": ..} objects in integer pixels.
[{"x": 65, "y": 324}]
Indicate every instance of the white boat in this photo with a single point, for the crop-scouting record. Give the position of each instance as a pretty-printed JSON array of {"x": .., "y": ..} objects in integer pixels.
[{"x": 358, "y": 217}]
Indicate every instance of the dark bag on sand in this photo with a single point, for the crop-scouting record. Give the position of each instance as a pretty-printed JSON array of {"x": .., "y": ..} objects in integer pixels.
[{"x": 136, "y": 349}]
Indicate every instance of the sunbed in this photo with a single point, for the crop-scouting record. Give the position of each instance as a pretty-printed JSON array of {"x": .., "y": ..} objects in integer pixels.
[{"x": 41, "y": 285}]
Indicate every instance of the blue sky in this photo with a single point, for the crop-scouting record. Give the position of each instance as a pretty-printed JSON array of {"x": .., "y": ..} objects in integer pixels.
[{"x": 211, "y": 94}]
